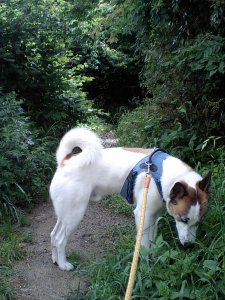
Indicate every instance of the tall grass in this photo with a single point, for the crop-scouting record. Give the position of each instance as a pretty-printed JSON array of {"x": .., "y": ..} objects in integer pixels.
[
  {"x": 172, "y": 272},
  {"x": 10, "y": 251}
]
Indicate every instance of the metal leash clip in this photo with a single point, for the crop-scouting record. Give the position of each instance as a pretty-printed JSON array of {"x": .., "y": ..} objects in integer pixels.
[{"x": 148, "y": 165}]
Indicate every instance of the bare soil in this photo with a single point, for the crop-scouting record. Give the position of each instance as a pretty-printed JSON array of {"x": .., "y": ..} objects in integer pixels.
[{"x": 36, "y": 277}]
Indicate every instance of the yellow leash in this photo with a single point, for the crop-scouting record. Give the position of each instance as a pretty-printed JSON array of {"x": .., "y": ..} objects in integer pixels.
[{"x": 130, "y": 284}]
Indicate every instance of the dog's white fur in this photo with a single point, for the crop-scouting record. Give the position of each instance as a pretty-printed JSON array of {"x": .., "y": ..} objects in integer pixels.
[{"x": 97, "y": 172}]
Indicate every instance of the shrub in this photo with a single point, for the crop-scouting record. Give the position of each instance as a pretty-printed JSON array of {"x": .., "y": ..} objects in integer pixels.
[
  {"x": 158, "y": 125},
  {"x": 134, "y": 127},
  {"x": 37, "y": 61},
  {"x": 24, "y": 160}
]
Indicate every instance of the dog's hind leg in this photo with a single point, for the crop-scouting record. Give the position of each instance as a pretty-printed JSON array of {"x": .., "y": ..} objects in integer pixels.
[
  {"x": 53, "y": 242},
  {"x": 60, "y": 239},
  {"x": 66, "y": 224}
]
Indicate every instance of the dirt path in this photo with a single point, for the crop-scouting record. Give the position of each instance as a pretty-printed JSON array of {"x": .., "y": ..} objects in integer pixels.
[{"x": 36, "y": 277}]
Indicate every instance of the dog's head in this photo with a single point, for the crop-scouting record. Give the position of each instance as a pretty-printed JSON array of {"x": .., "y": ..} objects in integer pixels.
[{"x": 188, "y": 205}]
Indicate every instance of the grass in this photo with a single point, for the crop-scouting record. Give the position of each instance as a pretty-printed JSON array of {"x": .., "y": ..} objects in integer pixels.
[
  {"x": 75, "y": 259},
  {"x": 6, "y": 289},
  {"x": 10, "y": 251},
  {"x": 97, "y": 124},
  {"x": 172, "y": 273},
  {"x": 118, "y": 205}
]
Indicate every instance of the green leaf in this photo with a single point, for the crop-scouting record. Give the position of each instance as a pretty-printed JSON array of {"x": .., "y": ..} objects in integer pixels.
[{"x": 163, "y": 288}]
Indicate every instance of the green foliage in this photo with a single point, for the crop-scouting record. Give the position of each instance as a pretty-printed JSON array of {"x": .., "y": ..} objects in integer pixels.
[
  {"x": 118, "y": 205},
  {"x": 181, "y": 48},
  {"x": 172, "y": 272},
  {"x": 206, "y": 53},
  {"x": 138, "y": 127},
  {"x": 154, "y": 125},
  {"x": 37, "y": 61},
  {"x": 112, "y": 65},
  {"x": 75, "y": 259},
  {"x": 97, "y": 123},
  {"x": 10, "y": 251},
  {"x": 22, "y": 154},
  {"x": 6, "y": 289}
]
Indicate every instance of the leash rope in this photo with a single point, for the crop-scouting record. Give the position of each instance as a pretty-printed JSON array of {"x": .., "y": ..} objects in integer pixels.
[{"x": 133, "y": 269}]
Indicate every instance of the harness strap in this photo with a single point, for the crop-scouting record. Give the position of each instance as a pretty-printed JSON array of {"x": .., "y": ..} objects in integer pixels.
[{"x": 154, "y": 162}]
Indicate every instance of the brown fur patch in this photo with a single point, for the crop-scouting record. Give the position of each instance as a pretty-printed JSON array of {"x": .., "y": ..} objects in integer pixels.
[
  {"x": 203, "y": 189},
  {"x": 139, "y": 150},
  {"x": 68, "y": 156},
  {"x": 181, "y": 203},
  {"x": 203, "y": 201}
]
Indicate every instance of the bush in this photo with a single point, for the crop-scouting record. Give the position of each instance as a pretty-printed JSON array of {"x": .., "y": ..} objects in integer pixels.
[
  {"x": 158, "y": 125},
  {"x": 179, "y": 47},
  {"x": 134, "y": 127},
  {"x": 37, "y": 62},
  {"x": 24, "y": 160}
]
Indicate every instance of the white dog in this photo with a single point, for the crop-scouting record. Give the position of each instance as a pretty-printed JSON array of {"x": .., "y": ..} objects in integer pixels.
[{"x": 96, "y": 172}]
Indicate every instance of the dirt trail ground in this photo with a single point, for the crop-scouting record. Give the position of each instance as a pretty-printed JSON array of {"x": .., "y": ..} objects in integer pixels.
[{"x": 36, "y": 277}]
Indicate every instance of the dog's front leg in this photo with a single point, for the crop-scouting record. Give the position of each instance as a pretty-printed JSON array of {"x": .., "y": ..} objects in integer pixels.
[{"x": 150, "y": 225}]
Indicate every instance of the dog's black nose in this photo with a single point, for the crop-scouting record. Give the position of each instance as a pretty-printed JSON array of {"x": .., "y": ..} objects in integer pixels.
[{"x": 188, "y": 245}]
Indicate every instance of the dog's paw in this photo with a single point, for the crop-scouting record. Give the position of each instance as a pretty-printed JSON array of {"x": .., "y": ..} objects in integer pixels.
[
  {"x": 54, "y": 260},
  {"x": 66, "y": 266}
]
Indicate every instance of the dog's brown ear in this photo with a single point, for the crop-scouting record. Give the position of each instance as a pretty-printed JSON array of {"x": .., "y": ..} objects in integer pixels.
[
  {"x": 179, "y": 190},
  {"x": 204, "y": 184}
]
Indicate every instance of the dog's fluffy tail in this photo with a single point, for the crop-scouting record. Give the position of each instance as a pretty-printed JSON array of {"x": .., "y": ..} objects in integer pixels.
[{"x": 83, "y": 138}]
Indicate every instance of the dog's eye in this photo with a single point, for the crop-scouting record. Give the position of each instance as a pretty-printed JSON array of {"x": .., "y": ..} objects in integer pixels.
[{"x": 184, "y": 220}]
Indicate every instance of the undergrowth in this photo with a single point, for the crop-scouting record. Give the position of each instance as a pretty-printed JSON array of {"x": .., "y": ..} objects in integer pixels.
[
  {"x": 148, "y": 126},
  {"x": 25, "y": 160},
  {"x": 118, "y": 205},
  {"x": 172, "y": 272},
  {"x": 10, "y": 251}
]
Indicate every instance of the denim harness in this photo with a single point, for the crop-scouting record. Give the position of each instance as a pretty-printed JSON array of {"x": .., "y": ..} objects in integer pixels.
[{"x": 155, "y": 161}]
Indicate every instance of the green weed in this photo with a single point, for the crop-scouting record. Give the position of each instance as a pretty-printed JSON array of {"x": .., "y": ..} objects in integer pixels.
[
  {"x": 96, "y": 122},
  {"x": 74, "y": 259},
  {"x": 6, "y": 290},
  {"x": 146, "y": 126},
  {"x": 118, "y": 205},
  {"x": 21, "y": 154},
  {"x": 10, "y": 251}
]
